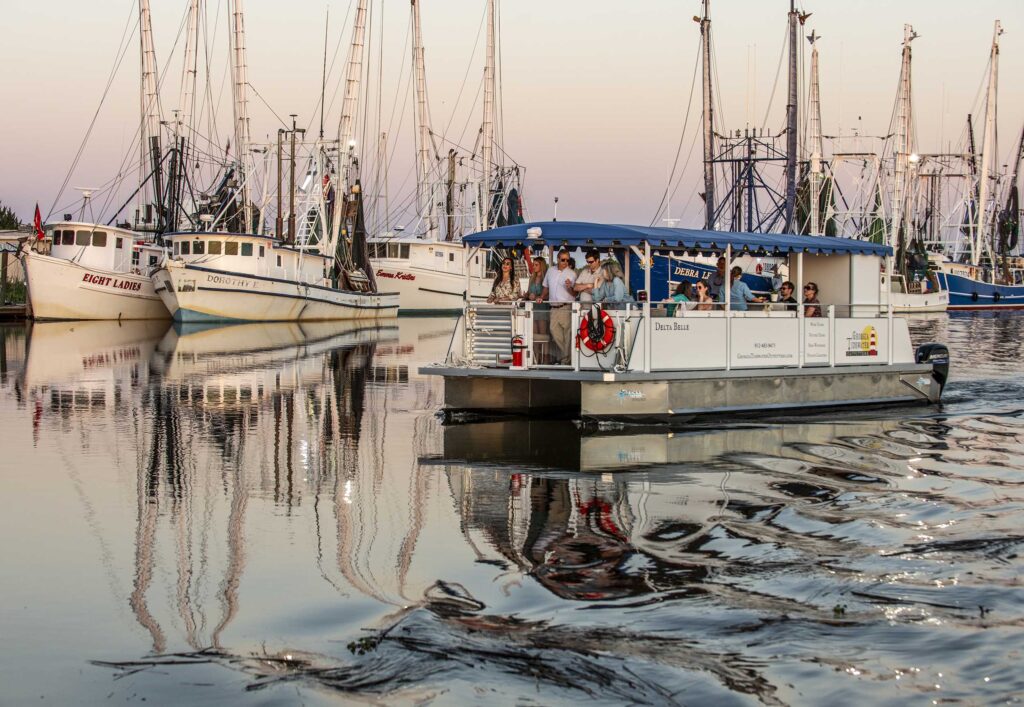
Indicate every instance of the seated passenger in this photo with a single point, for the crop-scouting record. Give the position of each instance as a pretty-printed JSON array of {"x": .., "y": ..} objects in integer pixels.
[
  {"x": 702, "y": 296},
  {"x": 506, "y": 285},
  {"x": 739, "y": 293},
  {"x": 812, "y": 307},
  {"x": 610, "y": 287}
]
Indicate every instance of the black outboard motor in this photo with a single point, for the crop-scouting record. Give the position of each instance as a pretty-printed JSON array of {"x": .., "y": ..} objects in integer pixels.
[{"x": 938, "y": 356}]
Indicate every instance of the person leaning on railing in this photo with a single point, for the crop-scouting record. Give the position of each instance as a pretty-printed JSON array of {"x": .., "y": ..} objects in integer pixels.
[
  {"x": 506, "y": 285},
  {"x": 610, "y": 286},
  {"x": 739, "y": 293},
  {"x": 812, "y": 307}
]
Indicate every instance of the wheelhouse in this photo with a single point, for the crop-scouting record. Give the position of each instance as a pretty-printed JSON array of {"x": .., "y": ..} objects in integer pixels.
[{"x": 103, "y": 247}]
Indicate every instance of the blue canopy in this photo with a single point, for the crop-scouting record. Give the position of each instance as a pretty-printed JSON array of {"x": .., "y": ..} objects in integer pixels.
[{"x": 578, "y": 234}]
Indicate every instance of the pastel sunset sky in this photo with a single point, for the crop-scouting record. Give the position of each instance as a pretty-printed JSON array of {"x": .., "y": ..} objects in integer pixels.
[{"x": 594, "y": 92}]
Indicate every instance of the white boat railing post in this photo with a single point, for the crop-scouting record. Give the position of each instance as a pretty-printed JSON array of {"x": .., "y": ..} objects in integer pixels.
[
  {"x": 528, "y": 337},
  {"x": 575, "y": 327},
  {"x": 889, "y": 308},
  {"x": 470, "y": 252},
  {"x": 798, "y": 295},
  {"x": 831, "y": 334},
  {"x": 727, "y": 296},
  {"x": 647, "y": 308}
]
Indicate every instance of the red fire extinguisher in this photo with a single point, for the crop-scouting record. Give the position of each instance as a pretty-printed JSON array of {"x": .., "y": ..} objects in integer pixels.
[{"x": 518, "y": 347}]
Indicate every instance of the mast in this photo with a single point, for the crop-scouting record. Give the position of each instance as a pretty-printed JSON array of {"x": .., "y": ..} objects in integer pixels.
[
  {"x": 791, "y": 119},
  {"x": 488, "y": 125},
  {"x": 241, "y": 105},
  {"x": 424, "y": 186},
  {"x": 709, "y": 122},
  {"x": 904, "y": 147},
  {"x": 183, "y": 119},
  {"x": 815, "y": 139},
  {"x": 348, "y": 172},
  {"x": 151, "y": 108},
  {"x": 988, "y": 151}
]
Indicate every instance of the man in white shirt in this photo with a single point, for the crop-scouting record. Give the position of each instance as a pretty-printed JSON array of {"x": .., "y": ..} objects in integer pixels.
[
  {"x": 587, "y": 278},
  {"x": 558, "y": 290}
]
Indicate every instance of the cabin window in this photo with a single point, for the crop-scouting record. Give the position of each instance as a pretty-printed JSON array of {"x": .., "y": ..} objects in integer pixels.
[
  {"x": 152, "y": 260},
  {"x": 135, "y": 257},
  {"x": 231, "y": 248},
  {"x": 99, "y": 239},
  {"x": 439, "y": 254},
  {"x": 261, "y": 251},
  {"x": 198, "y": 247},
  {"x": 279, "y": 261},
  {"x": 83, "y": 238},
  {"x": 176, "y": 248},
  {"x": 185, "y": 247},
  {"x": 451, "y": 257},
  {"x": 247, "y": 249},
  {"x": 476, "y": 259},
  {"x": 403, "y": 251},
  {"x": 214, "y": 248},
  {"x": 119, "y": 242},
  {"x": 392, "y": 250},
  {"x": 68, "y": 238}
]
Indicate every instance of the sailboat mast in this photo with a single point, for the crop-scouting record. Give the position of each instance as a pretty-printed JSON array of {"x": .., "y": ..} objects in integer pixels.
[
  {"x": 183, "y": 120},
  {"x": 814, "y": 137},
  {"x": 988, "y": 151},
  {"x": 241, "y": 105},
  {"x": 424, "y": 185},
  {"x": 151, "y": 108},
  {"x": 904, "y": 144},
  {"x": 348, "y": 172},
  {"x": 791, "y": 118},
  {"x": 709, "y": 122},
  {"x": 488, "y": 124}
]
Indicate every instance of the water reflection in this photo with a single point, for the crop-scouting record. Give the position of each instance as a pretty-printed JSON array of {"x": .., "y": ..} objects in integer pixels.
[{"x": 283, "y": 500}]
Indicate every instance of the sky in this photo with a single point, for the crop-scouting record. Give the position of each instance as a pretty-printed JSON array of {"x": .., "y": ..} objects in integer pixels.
[{"x": 594, "y": 92}]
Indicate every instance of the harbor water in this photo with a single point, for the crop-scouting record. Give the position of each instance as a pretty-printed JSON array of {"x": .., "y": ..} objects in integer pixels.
[{"x": 276, "y": 514}]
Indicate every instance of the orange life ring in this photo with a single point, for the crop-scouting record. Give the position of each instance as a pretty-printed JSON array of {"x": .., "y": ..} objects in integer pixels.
[{"x": 598, "y": 344}]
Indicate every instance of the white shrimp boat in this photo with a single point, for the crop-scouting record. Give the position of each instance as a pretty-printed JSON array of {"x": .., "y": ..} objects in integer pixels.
[
  {"x": 87, "y": 271},
  {"x": 244, "y": 277},
  {"x": 647, "y": 364},
  {"x": 429, "y": 276}
]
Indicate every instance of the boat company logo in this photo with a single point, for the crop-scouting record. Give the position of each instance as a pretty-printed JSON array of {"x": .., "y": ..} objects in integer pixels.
[
  {"x": 863, "y": 342},
  {"x": 624, "y": 394},
  {"x": 112, "y": 282}
]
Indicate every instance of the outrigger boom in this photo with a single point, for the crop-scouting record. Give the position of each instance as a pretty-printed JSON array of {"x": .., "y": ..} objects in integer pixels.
[{"x": 669, "y": 358}]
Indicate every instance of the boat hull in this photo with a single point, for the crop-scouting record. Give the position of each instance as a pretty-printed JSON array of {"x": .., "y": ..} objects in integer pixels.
[
  {"x": 968, "y": 293},
  {"x": 904, "y": 302},
  {"x": 429, "y": 292},
  {"x": 60, "y": 289},
  {"x": 197, "y": 294},
  {"x": 685, "y": 394}
]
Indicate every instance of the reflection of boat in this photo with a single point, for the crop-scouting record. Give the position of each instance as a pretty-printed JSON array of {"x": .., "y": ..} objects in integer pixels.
[
  {"x": 562, "y": 445},
  {"x": 89, "y": 353}
]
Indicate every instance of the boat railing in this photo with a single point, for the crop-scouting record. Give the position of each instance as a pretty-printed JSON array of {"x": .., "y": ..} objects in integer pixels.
[{"x": 643, "y": 337}]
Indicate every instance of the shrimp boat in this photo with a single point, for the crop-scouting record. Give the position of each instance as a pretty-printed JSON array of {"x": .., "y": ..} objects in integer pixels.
[
  {"x": 89, "y": 271},
  {"x": 637, "y": 361}
]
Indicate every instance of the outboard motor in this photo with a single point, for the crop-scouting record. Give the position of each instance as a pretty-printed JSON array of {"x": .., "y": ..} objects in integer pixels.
[{"x": 938, "y": 356}]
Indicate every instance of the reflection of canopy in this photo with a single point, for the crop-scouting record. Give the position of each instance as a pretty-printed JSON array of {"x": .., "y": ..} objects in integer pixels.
[{"x": 578, "y": 234}]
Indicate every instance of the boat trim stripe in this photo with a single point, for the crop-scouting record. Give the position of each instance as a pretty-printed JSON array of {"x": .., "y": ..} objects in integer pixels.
[
  {"x": 230, "y": 273},
  {"x": 301, "y": 297}
]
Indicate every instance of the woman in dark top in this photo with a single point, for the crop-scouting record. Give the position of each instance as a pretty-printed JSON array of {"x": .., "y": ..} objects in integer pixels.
[{"x": 812, "y": 307}]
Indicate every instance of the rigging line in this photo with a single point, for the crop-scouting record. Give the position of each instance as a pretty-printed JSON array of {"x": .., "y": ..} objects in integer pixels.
[
  {"x": 469, "y": 67},
  {"x": 469, "y": 116},
  {"x": 775, "y": 85},
  {"x": 682, "y": 137},
  {"x": 163, "y": 77},
  {"x": 330, "y": 70},
  {"x": 260, "y": 96},
  {"x": 118, "y": 58}
]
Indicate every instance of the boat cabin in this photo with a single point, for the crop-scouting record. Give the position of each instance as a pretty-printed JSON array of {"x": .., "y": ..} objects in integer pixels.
[
  {"x": 249, "y": 254},
  {"x": 435, "y": 256},
  {"x": 103, "y": 247}
]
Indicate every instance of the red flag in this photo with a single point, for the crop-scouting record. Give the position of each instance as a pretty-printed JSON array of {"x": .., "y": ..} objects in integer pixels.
[{"x": 38, "y": 223}]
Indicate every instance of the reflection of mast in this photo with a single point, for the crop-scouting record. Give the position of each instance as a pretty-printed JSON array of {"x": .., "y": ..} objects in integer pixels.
[{"x": 236, "y": 552}]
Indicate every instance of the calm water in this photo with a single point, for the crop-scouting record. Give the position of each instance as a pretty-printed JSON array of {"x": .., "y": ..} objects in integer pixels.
[{"x": 269, "y": 514}]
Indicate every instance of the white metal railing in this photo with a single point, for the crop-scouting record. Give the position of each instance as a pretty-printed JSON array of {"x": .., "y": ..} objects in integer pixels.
[{"x": 646, "y": 338}]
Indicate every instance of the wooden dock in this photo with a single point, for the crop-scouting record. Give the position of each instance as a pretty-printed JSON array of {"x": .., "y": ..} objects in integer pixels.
[{"x": 13, "y": 312}]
